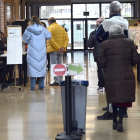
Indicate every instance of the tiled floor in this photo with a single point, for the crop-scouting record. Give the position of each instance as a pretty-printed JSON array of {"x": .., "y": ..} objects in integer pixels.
[{"x": 37, "y": 115}]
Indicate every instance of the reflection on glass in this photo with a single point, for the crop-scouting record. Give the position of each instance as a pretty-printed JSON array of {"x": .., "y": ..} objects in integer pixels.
[{"x": 8, "y": 13}]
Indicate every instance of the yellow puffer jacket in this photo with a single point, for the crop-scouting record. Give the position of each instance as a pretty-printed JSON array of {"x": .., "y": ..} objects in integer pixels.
[{"x": 59, "y": 38}]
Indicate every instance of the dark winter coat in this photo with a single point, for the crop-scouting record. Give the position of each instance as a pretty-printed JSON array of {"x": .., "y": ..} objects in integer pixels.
[
  {"x": 92, "y": 42},
  {"x": 2, "y": 47},
  {"x": 118, "y": 55}
]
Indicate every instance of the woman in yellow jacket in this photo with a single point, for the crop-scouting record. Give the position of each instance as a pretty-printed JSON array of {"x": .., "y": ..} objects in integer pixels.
[{"x": 57, "y": 45}]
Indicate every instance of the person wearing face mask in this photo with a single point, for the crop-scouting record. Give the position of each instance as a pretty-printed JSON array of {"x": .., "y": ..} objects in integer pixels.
[{"x": 92, "y": 42}]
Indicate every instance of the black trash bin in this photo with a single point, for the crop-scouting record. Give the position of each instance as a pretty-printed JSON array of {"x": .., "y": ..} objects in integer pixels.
[{"x": 79, "y": 100}]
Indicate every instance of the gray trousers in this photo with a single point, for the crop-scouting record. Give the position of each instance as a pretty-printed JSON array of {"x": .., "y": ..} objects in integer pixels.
[{"x": 57, "y": 58}]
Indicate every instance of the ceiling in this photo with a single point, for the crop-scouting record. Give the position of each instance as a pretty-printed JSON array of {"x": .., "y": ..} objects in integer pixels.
[
  {"x": 62, "y": 2},
  {"x": 45, "y": 2}
]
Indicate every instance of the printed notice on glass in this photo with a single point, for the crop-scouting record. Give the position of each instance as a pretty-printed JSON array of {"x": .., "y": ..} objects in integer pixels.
[{"x": 14, "y": 32}]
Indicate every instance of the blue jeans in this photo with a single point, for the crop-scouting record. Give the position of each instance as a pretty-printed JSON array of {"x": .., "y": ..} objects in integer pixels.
[
  {"x": 33, "y": 82},
  {"x": 57, "y": 58}
]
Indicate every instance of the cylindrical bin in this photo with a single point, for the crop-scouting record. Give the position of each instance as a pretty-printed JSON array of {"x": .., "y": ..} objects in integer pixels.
[{"x": 79, "y": 100}]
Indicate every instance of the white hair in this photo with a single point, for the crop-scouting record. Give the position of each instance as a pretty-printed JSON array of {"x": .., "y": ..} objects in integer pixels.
[
  {"x": 115, "y": 6},
  {"x": 115, "y": 30}
]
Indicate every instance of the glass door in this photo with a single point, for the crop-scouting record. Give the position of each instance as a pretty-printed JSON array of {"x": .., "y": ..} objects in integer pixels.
[
  {"x": 91, "y": 26},
  {"x": 78, "y": 34}
]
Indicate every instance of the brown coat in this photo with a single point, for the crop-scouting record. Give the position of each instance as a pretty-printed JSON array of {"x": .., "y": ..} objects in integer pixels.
[{"x": 118, "y": 55}]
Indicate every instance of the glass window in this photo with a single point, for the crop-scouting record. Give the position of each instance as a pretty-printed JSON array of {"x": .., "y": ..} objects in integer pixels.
[
  {"x": 105, "y": 10},
  {"x": 19, "y": 12},
  {"x": 29, "y": 12},
  {"x": 78, "y": 10},
  {"x": 25, "y": 12},
  {"x": 91, "y": 26},
  {"x": 93, "y": 10},
  {"x": 8, "y": 12},
  {"x": 63, "y": 11},
  {"x": 127, "y": 9}
]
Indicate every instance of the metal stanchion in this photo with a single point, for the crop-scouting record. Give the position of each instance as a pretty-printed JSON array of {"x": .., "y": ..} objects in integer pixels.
[
  {"x": 16, "y": 86},
  {"x": 68, "y": 134}
]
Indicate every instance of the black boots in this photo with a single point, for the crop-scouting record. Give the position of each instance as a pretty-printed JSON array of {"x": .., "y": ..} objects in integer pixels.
[{"x": 118, "y": 127}]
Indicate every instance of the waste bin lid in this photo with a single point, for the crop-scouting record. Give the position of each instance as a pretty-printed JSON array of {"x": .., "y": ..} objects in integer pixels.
[{"x": 76, "y": 82}]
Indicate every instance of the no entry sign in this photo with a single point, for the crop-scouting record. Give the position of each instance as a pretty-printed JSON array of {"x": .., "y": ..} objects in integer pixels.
[{"x": 58, "y": 69}]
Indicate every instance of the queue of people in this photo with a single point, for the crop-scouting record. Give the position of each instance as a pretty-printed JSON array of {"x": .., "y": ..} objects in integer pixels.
[
  {"x": 102, "y": 34},
  {"x": 35, "y": 36},
  {"x": 116, "y": 57},
  {"x": 114, "y": 53}
]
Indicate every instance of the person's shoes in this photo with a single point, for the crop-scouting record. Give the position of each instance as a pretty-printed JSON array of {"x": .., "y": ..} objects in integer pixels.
[
  {"x": 114, "y": 125},
  {"x": 105, "y": 108},
  {"x": 100, "y": 89},
  {"x": 124, "y": 114},
  {"x": 119, "y": 128},
  {"x": 54, "y": 84},
  {"x": 32, "y": 89},
  {"x": 106, "y": 116}
]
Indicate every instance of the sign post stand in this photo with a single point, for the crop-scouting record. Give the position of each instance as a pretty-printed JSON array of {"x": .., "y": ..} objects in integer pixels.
[
  {"x": 14, "y": 50},
  {"x": 68, "y": 135}
]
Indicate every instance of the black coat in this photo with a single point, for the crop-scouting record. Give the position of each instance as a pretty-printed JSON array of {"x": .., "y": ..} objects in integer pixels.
[
  {"x": 118, "y": 55},
  {"x": 2, "y": 47},
  {"x": 92, "y": 42}
]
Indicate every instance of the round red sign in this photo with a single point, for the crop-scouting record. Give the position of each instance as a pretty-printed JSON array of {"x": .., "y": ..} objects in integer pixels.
[{"x": 59, "y": 70}]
